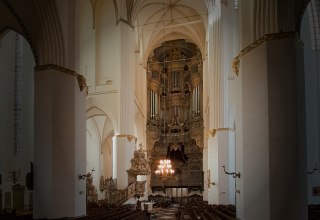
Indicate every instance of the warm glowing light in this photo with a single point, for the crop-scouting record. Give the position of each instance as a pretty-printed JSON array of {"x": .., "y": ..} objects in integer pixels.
[{"x": 164, "y": 168}]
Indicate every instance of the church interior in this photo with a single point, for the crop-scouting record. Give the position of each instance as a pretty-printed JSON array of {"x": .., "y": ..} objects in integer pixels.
[{"x": 160, "y": 109}]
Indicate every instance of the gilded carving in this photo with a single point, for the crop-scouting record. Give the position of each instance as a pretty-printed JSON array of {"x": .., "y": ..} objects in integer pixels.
[
  {"x": 140, "y": 188},
  {"x": 110, "y": 184},
  {"x": 266, "y": 37},
  {"x": 139, "y": 164},
  {"x": 128, "y": 136},
  {"x": 92, "y": 195},
  {"x": 235, "y": 64},
  {"x": 177, "y": 131},
  {"x": 213, "y": 131},
  {"x": 82, "y": 82}
]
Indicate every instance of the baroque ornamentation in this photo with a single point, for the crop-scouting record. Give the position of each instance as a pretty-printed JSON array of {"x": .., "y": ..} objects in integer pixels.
[
  {"x": 140, "y": 188},
  {"x": 139, "y": 164},
  {"x": 266, "y": 37},
  {"x": 128, "y": 136},
  {"x": 174, "y": 112},
  {"x": 92, "y": 195},
  {"x": 110, "y": 184},
  {"x": 213, "y": 132}
]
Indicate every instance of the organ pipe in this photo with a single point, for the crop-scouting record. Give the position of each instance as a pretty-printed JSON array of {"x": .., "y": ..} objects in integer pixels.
[{"x": 154, "y": 104}]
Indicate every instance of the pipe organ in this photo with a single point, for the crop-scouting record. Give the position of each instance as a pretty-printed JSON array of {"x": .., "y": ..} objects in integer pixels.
[{"x": 174, "y": 123}]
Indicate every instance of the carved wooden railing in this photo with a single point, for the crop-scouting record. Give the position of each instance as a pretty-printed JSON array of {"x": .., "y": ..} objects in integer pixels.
[
  {"x": 139, "y": 166},
  {"x": 120, "y": 196}
]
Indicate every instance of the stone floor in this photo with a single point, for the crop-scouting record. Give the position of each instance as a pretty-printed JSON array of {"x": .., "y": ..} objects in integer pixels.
[{"x": 164, "y": 213}]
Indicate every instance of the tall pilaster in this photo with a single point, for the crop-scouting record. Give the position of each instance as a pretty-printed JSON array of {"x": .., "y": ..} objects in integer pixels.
[
  {"x": 125, "y": 141},
  {"x": 60, "y": 150}
]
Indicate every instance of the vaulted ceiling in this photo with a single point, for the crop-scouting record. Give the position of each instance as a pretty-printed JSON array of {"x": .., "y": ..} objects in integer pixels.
[
  {"x": 156, "y": 21},
  {"x": 162, "y": 20}
]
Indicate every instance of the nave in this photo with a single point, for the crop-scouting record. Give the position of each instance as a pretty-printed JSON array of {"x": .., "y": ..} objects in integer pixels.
[{"x": 227, "y": 90}]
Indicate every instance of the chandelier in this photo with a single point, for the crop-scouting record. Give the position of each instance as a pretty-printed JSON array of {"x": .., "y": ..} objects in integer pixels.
[{"x": 164, "y": 168}]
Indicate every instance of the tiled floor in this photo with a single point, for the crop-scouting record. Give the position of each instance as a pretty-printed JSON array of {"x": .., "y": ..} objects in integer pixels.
[{"x": 165, "y": 213}]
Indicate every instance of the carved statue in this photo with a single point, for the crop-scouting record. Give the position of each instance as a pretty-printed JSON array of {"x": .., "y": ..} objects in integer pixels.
[
  {"x": 175, "y": 122},
  {"x": 109, "y": 184}
]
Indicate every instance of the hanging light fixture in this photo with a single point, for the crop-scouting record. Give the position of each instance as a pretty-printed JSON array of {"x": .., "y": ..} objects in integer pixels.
[{"x": 164, "y": 169}]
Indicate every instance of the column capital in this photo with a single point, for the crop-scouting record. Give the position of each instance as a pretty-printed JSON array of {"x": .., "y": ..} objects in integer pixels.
[
  {"x": 81, "y": 79},
  {"x": 128, "y": 136},
  {"x": 213, "y": 131},
  {"x": 261, "y": 40}
]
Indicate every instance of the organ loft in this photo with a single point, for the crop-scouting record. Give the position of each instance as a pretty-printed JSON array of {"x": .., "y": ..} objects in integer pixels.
[{"x": 175, "y": 122}]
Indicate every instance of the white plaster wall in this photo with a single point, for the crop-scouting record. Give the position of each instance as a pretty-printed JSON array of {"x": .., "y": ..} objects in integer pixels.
[
  {"x": 108, "y": 102},
  {"x": 232, "y": 167},
  {"x": 107, "y": 157},
  {"x": 6, "y": 110},
  {"x": 270, "y": 132},
  {"x": 25, "y": 155},
  {"x": 235, "y": 121},
  {"x": 80, "y": 151},
  {"x": 218, "y": 156},
  {"x": 205, "y": 100},
  {"x": 213, "y": 163},
  {"x": 229, "y": 47},
  {"x": 114, "y": 158},
  {"x": 235, "y": 100},
  {"x": 205, "y": 174},
  {"x": 102, "y": 129},
  {"x": 312, "y": 96},
  {"x": 94, "y": 158},
  {"x": 100, "y": 121},
  {"x": 140, "y": 129},
  {"x": 140, "y": 92},
  {"x": 107, "y": 44},
  {"x": 67, "y": 11},
  {"x": 223, "y": 160},
  {"x": 245, "y": 23},
  {"x": 124, "y": 154},
  {"x": 43, "y": 162},
  {"x": 255, "y": 148},
  {"x": 283, "y": 129},
  {"x": 56, "y": 151},
  {"x": 87, "y": 44}
]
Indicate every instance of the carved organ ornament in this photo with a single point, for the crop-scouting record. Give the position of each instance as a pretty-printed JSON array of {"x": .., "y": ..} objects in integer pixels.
[{"x": 175, "y": 121}]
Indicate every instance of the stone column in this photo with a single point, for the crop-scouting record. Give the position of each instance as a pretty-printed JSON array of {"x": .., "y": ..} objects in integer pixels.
[
  {"x": 125, "y": 141},
  {"x": 218, "y": 138},
  {"x": 60, "y": 151},
  {"x": 214, "y": 53},
  {"x": 270, "y": 176}
]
